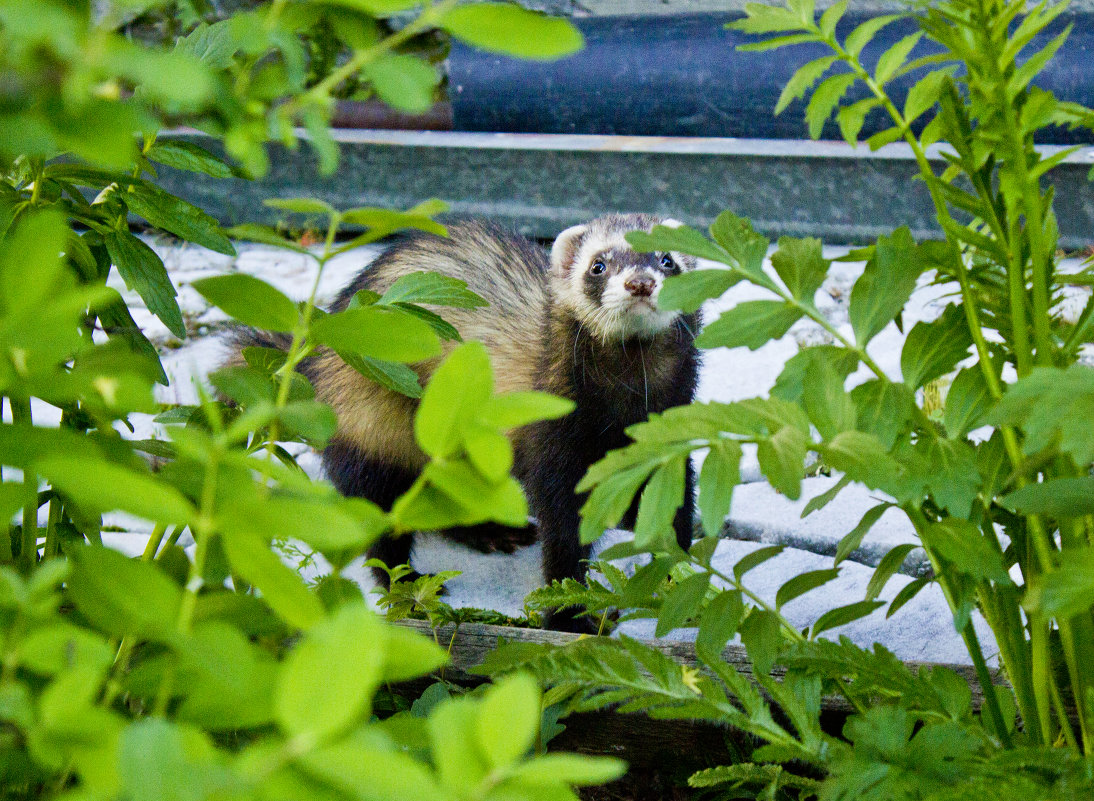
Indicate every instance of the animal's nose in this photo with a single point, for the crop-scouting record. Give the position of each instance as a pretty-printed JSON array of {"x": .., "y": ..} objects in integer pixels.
[{"x": 641, "y": 286}]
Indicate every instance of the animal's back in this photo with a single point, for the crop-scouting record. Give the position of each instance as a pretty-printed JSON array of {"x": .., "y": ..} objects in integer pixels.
[{"x": 507, "y": 270}]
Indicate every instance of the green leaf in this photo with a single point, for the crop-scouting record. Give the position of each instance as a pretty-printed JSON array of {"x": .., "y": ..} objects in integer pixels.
[
  {"x": 386, "y": 221},
  {"x": 440, "y": 326},
  {"x": 458, "y": 389},
  {"x": 281, "y": 587},
  {"x": 862, "y": 457},
  {"x": 802, "y": 79},
  {"x": 934, "y": 349},
  {"x": 682, "y": 603},
  {"x": 791, "y": 383},
  {"x": 327, "y": 681},
  {"x": 924, "y": 94},
  {"x": 1066, "y": 591},
  {"x": 173, "y": 214},
  {"x": 302, "y": 205},
  {"x": 508, "y": 719},
  {"x": 160, "y": 760},
  {"x": 54, "y": 648},
  {"x": 818, "y": 502},
  {"x": 1036, "y": 62},
  {"x": 250, "y": 300},
  {"x": 717, "y": 478},
  {"x": 842, "y": 615},
  {"x": 688, "y": 291},
  {"x": 719, "y": 621},
  {"x": 101, "y": 486},
  {"x": 322, "y": 523},
  {"x": 963, "y": 545},
  {"x": 831, "y": 17},
  {"x": 825, "y": 401},
  {"x": 967, "y": 402},
  {"x": 763, "y": 18},
  {"x": 884, "y": 409},
  {"x": 123, "y": 596},
  {"x": 228, "y": 682},
  {"x": 434, "y": 289},
  {"x": 824, "y": 100},
  {"x": 214, "y": 45},
  {"x": 379, "y": 333},
  {"x": 552, "y": 770},
  {"x": 893, "y": 58},
  {"x": 379, "y": 8},
  {"x": 801, "y": 266},
  {"x": 264, "y": 234},
  {"x": 515, "y": 409},
  {"x": 803, "y": 583},
  {"x": 851, "y": 118},
  {"x": 755, "y": 559},
  {"x": 185, "y": 155},
  {"x": 750, "y": 324},
  {"x": 909, "y": 591},
  {"x": 393, "y": 375},
  {"x": 761, "y": 634},
  {"x": 947, "y": 470},
  {"x": 861, "y": 35},
  {"x": 782, "y": 460},
  {"x": 1052, "y": 406},
  {"x": 748, "y": 248},
  {"x": 889, "y": 564},
  {"x": 853, "y": 539},
  {"x": 610, "y": 499},
  {"x": 683, "y": 239},
  {"x": 1058, "y": 498},
  {"x": 368, "y": 760},
  {"x": 885, "y": 285},
  {"x": 662, "y": 496},
  {"x": 509, "y": 29},
  {"x": 144, "y": 273},
  {"x": 403, "y": 81},
  {"x": 410, "y": 655},
  {"x": 460, "y": 763},
  {"x": 489, "y": 451}
]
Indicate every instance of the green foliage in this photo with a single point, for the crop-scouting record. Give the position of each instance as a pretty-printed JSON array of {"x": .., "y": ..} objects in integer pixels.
[
  {"x": 215, "y": 670},
  {"x": 995, "y": 480}
]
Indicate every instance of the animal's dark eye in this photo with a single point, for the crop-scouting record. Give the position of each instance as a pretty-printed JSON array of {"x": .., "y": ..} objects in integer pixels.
[
  {"x": 597, "y": 268},
  {"x": 667, "y": 263}
]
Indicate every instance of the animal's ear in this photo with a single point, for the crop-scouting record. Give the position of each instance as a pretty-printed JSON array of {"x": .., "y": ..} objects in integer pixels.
[{"x": 564, "y": 251}]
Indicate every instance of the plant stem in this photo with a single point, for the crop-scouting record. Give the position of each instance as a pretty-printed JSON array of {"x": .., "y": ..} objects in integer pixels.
[
  {"x": 319, "y": 93},
  {"x": 153, "y": 544},
  {"x": 991, "y": 700},
  {"x": 28, "y": 554},
  {"x": 202, "y": 530}
]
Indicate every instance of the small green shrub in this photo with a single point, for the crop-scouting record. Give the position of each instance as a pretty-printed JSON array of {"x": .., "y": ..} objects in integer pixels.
[
  {"x": 216, "y": 671},
  {"x": 998, "y": 486}
]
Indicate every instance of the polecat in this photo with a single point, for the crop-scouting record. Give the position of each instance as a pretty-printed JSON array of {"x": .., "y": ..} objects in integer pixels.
[{"x": 583, "y": 324}]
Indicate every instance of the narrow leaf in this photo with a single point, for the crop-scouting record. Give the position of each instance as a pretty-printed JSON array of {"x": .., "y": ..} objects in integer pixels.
[
  {"x": 250, "y": 300},
  {"x": 144, "y": 273}
]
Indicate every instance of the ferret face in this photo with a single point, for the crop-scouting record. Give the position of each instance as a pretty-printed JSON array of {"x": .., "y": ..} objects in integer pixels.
[{"x": 611, "y": 289}]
